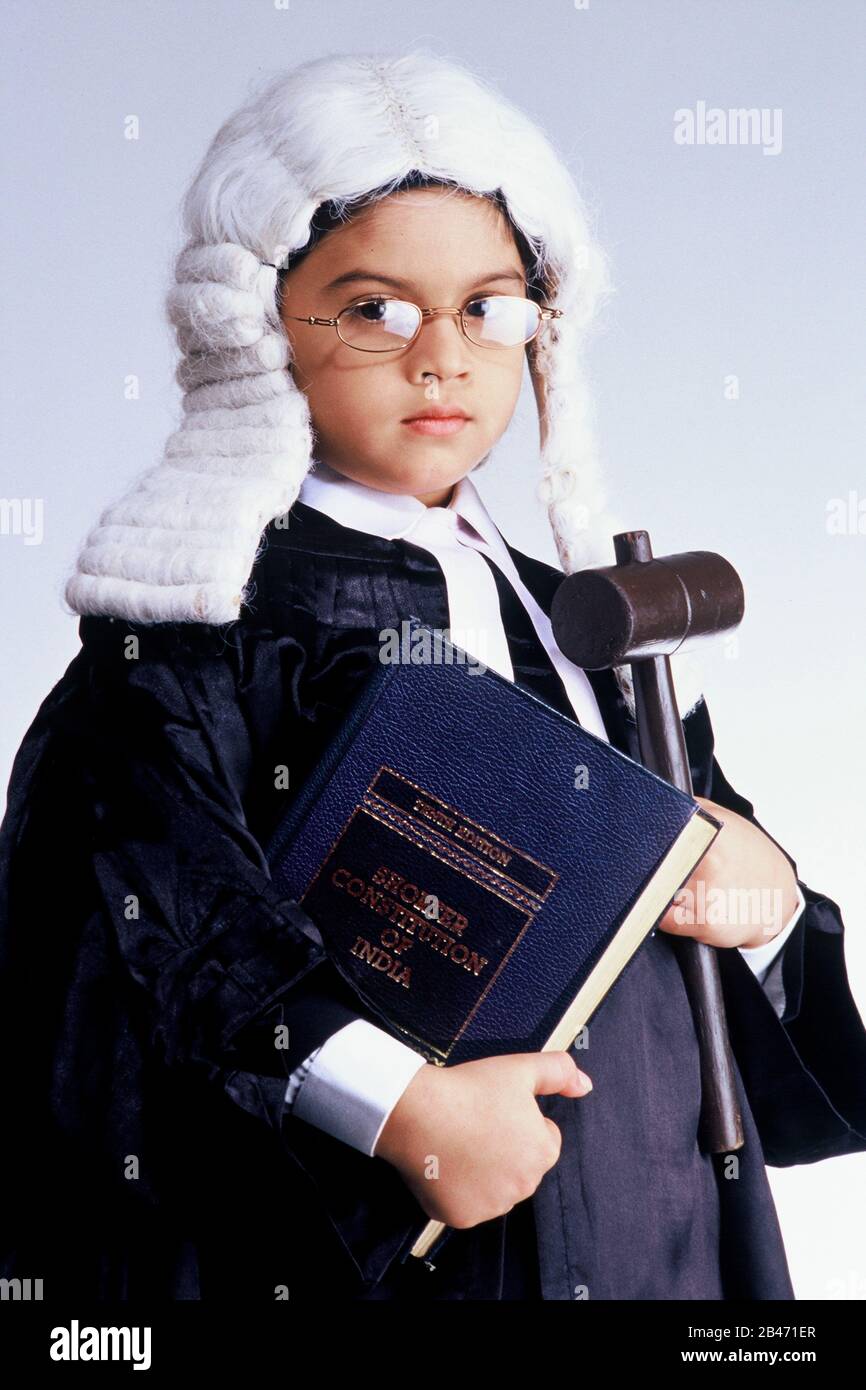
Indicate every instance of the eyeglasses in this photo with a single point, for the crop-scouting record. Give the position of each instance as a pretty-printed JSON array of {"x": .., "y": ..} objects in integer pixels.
[{"x": 388, "y": 325}]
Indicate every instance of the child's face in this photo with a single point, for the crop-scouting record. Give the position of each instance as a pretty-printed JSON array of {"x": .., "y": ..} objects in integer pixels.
[{"x": 444, "y": 249}]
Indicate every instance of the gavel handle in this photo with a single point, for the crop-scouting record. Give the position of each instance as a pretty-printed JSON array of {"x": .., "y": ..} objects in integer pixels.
[
  {"x": 663, "y": 750},
  {"x": 721, "y": 1125}
]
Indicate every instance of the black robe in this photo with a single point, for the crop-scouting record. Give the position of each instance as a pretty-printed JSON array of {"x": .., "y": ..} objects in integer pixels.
[{"x": 147, "y": 959}]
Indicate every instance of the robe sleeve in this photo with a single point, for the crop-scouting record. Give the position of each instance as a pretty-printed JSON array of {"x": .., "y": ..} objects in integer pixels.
[
  {"x": 127, "y": 835},
  {"x": 799, "y": 1039},
  {"x": 232, "y": 977}
]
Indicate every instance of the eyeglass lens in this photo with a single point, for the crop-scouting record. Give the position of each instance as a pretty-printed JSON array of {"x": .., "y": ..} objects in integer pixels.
[{"x": 380, "y": 325}]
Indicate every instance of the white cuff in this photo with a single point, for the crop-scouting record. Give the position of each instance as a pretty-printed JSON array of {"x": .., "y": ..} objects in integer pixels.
[
  {"x": 760, "y": 958},
  {"x": 354, "y": 1081}
]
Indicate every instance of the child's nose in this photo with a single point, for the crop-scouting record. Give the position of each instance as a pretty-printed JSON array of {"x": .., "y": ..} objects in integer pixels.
[{"x": 442, "y": 347}]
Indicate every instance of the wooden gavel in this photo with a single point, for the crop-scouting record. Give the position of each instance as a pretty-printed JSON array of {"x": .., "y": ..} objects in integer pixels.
[{"x": 641, "y": 610}]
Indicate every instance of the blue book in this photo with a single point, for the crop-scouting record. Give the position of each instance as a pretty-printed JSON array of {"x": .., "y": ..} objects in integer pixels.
[{"x": 480, "y": 868}]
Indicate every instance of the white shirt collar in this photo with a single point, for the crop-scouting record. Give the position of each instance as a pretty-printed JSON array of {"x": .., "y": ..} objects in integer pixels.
[
  {"x": 464, "y": 525},
  {"x": 395, "y": 516}
]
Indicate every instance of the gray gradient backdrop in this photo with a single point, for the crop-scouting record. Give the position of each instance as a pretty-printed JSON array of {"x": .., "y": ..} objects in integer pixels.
[{"x": 728, "y": 262}]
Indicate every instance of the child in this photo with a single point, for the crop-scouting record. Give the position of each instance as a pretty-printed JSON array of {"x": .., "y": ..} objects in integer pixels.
[{"x": 173, "y": 1138}]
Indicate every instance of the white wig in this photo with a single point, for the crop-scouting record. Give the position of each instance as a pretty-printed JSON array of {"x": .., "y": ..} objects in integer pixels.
[{"x": 341, "y": 131}]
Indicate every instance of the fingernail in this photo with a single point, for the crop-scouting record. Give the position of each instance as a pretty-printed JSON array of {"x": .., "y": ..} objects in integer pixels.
[{"x": 586, "y": 1083}]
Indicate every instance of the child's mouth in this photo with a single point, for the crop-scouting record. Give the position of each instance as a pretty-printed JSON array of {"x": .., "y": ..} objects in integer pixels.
[{"x": 431, "y": 424}]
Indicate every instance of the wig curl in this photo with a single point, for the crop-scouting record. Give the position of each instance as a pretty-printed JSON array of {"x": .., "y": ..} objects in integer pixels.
[{"x": 310, "y": 147}]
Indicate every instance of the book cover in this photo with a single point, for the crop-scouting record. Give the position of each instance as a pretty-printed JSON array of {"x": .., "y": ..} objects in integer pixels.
[{"x": 481, "y": 869}]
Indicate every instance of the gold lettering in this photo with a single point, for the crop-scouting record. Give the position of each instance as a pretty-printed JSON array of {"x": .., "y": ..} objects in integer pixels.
[
  {"x": 393, "y": 940},
  {"x": 407, "y": 926},
  {"x": 380, "y": 960},
  {"x": 433, "y": 813},
  {"x": 496, "y": 852}
]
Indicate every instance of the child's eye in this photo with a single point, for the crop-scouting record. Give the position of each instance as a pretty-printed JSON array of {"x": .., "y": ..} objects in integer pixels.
[
  {"x": 481, "y": 308},
  {"x": 496, "y": 307},
  {"x": 369, "y": 310}
]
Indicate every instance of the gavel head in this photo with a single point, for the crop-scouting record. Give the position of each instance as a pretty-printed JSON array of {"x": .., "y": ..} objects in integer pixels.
[{"x": 644, "y": 608}]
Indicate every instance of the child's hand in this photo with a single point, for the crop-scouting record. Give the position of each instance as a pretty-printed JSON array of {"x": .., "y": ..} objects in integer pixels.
[
  {"x": 470, "y": 1141},
  {"x": 741, "y": 894}
]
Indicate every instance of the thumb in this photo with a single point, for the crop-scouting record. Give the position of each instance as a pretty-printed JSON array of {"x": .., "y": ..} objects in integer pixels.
[{"x": 557, "y": 1074}]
